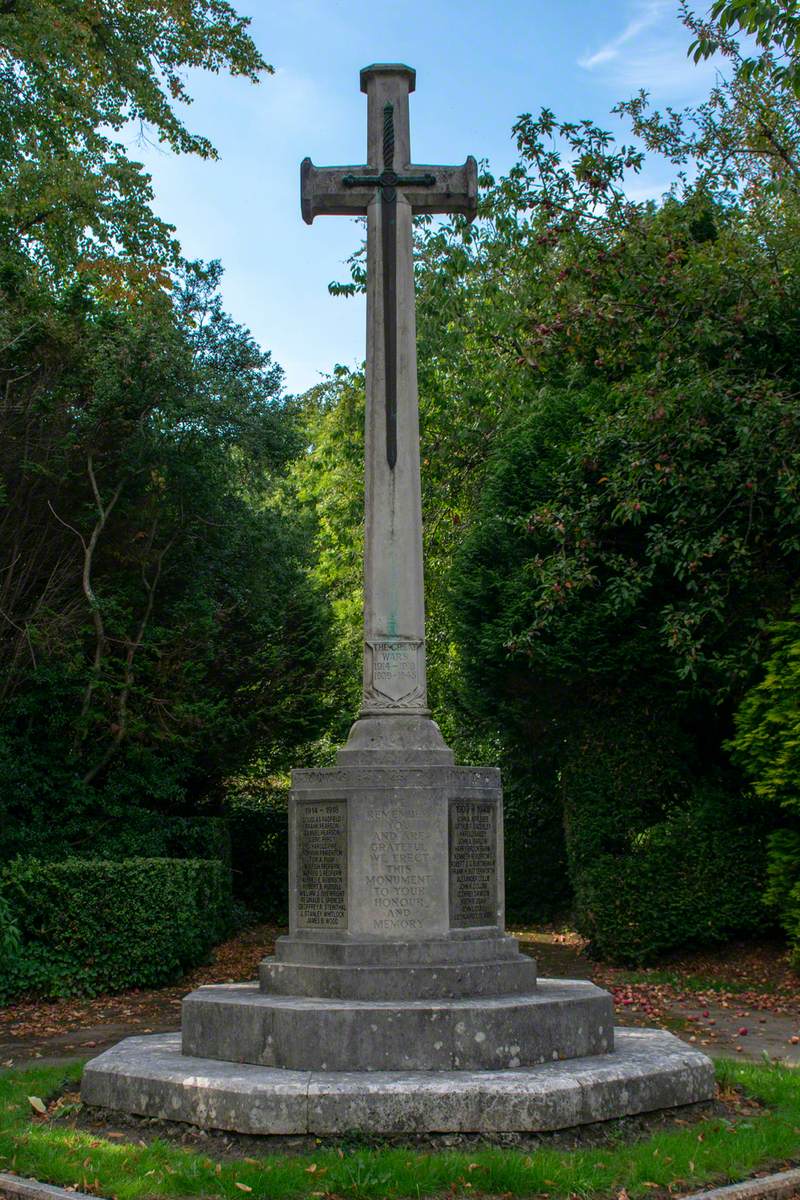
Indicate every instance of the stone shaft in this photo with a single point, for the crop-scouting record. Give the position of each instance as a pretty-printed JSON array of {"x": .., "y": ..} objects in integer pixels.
[
  {"x": 389, "y": 189},
  {"x": 394, "y": 610}
]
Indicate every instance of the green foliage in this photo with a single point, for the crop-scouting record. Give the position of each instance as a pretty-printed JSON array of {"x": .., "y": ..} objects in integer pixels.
[
  {"x": 9, "y": 932},
  {"x": 694, "y": 879},
  {"x": 767, "y": 747},
  {"x": 159, "y": 623},
  {"x": 91, "y": 925},
  {"x": 774, "y": 24},
  {"x": 536, "y": 875},
  {"x": 259, "y": 833},
  {"x": 328, "y": 481},
  {"x": 71, "y": 76},
  {"x": 134, "y": 832},
  {"x": 658, "y": 859},
  {"x": 767, "y": 741},
  {"x": 783, "y": 885}
]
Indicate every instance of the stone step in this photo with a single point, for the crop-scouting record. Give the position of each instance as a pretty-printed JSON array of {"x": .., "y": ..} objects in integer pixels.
[
  {"x": 440, "y": 981},
  {"x": 648, "y": 1070},
  {"x": 558, "y": 1019},
  {"x": 454, "y": 947}
]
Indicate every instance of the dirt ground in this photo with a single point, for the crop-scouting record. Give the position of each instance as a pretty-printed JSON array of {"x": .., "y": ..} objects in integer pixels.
[
  {"x": 64, "y": 1030},
  {"x": 741, "y": 1000}
]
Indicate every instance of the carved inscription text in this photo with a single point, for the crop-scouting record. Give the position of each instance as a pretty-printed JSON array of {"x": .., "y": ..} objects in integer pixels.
[
  {"x": 393, "y": 675},
  {"x": 399, "y": 873},
  {"x": 473, "y": 863},
  {"x": 322, "y": 865}
]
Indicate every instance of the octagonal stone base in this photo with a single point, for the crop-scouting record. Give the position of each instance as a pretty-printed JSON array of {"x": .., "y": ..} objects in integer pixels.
[
  {"x": 648, "y": 1070},
  {"x": 558, "y": 1019}
]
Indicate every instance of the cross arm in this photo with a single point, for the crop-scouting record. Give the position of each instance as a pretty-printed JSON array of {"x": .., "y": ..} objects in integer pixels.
[
  {"x": 322, "y": 192},
  {"x": 455, "y": 190}
]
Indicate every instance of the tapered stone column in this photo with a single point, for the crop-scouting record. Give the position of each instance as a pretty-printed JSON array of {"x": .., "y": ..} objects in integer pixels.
[{"x": 394, "y": 608}]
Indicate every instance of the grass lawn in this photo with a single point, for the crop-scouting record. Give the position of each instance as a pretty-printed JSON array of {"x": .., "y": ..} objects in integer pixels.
[{"x": 680, "y": 1159}]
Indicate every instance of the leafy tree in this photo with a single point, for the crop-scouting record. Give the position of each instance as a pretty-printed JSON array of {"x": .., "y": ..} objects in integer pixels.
[
  {"x": 157, "y": 623},
  {"x": 610, "y": 436},
  {"x": 158, "y": 626},
  {"x": 328, "y": 481},
  {"x": 775, "y": 25},
  {"x": 73, "y": 75},
  {"x": 767, "y": 747},
  {"x": 638, "y": 511}
]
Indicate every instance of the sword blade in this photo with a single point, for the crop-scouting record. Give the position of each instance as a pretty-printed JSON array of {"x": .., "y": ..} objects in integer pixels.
[{"x": 389, "y": 255}]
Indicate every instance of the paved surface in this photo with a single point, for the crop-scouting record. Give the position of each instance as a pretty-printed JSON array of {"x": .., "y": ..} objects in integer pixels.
[
  {"x": 58, "y": 1049},
  {"x": 714, "y": 1028},
  {"x": 783, "y": 1186}
]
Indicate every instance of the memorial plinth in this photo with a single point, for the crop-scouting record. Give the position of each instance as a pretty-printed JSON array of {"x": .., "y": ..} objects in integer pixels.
[{"x": 397, "y": 1002}]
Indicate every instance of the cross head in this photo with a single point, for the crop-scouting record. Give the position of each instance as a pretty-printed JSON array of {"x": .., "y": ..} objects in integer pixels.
[{"x": 387, "y": 177}]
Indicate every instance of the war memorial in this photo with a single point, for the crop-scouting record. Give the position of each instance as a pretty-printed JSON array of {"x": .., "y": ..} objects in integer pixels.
[{"x": 397, "y": 1002}]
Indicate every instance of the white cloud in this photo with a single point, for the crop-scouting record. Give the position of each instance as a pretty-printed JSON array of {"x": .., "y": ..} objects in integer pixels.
[
  {"x": 649, "y": 14},
  {"x": 651, "y": 53}
]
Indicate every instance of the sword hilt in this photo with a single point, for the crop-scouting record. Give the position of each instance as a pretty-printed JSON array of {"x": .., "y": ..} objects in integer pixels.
[{"x": 388, "y": 137}]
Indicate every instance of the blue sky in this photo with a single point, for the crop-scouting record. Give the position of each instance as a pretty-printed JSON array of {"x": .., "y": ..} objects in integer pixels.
[{"x": 479, "y": 64}]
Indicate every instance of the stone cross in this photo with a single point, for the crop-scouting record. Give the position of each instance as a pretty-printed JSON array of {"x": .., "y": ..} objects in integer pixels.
[
  {"x": 389, "y": 189},
  {"x": 396, "y": 1002}
]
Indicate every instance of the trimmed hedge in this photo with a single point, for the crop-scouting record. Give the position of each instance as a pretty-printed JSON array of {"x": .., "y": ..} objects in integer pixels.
[
  {"x": 92, "y": 925},
  {"x": 124, "y": 833},
  {"x": 694, "y": 879},
  {"x": 660, "y": 859}
]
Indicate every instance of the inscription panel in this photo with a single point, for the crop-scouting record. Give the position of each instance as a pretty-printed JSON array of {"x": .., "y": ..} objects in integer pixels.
[
  {"x": 322, "y": 865},
  {"x": 393, "y": 670},
  {"x": 473, "y": 863},
  {"x": 399, "y": 874}
]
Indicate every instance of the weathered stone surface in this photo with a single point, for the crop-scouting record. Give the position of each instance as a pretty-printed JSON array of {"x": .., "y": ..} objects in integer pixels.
[
  {"x": 457, "y": 946},
  {"x": 473, "y": 862},
  {"x": 460, "y": 964},
  {"x": 395, "y": 852},
  {"x": 648, "y": 1070},
  {"x": 559, "y": 1019},
  {"x": 321, "y": 877},
  {"x": 402, "y": 740},
  {"x": 149, "y": 1076},
  {"x": 501, "y": 977}
]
